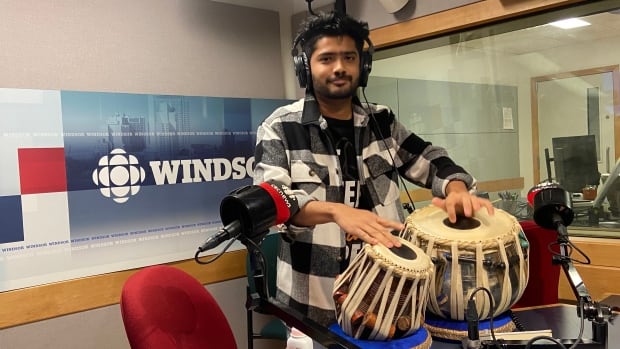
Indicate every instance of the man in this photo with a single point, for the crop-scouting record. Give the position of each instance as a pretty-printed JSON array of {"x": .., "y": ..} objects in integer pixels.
[{"x": 342, "y": 160}]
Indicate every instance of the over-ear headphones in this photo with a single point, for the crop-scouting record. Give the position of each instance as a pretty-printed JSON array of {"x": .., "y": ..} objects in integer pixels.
[{"x": 301, "y": 62}]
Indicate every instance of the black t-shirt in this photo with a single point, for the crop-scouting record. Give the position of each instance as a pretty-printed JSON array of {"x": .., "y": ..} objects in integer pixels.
[
  {"x": 343, "y": 138},
  {"x": 342, "y": 135}
]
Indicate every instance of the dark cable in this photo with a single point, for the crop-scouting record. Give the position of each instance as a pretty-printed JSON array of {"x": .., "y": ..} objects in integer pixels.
[
  {"x": 516, "y": 320},
  {"x": 310, "y": 7},
  {"x": 570, "y": 247},
  {"x": 529, "y": 344},
  {"x": 263, "y": 264},
  {"x": 372, "y": 115},
  {"x": 197, "y": 258},
  {"x": 492, "y": 309}
]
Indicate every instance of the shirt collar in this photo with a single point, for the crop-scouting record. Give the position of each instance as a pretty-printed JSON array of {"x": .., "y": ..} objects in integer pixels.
[{"x": 311, "y": 112}]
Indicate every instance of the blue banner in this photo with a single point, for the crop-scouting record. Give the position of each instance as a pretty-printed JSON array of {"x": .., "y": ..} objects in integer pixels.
[{"x": 101, "y": 182}]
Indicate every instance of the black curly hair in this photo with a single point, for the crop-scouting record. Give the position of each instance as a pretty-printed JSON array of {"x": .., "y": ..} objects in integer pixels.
[{"x": 329, "y": 24}]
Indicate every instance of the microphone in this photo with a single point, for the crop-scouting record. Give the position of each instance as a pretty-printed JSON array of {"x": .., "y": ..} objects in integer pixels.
[
  {"x": 251, "y": 210},
  {"x": 552, "y": 205}
]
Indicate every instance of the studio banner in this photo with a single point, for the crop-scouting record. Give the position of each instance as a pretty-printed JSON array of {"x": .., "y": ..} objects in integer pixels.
[{"x": 100, "y": 182}]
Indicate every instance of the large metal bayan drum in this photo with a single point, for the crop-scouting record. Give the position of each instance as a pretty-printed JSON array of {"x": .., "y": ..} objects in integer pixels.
[
  {"x": 382, "y": 295},
  {"x": 489, "y": 251}
]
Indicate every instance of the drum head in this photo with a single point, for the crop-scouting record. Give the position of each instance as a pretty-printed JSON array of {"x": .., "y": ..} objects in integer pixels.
[
  {"x": 433, "y": 221},
  {"x": 407, "y": 259}
]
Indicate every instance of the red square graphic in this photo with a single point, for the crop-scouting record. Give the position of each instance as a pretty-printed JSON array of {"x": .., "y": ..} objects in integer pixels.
[{"x": 42, "y": 170}]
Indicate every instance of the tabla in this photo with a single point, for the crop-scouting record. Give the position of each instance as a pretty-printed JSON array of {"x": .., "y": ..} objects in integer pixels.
[
  {"x": 383, "y": 292},
  {"x": 481, "y": 251}
]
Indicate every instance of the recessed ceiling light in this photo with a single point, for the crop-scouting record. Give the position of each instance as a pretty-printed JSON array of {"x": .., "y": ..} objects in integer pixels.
[{"x": 570, "y": 23}]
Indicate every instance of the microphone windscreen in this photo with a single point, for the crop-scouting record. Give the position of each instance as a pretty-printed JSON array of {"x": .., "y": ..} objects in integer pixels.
[
  {"x": 258, "y": 207},
  {"x": 552, "y": 203},
  {"x": 252, "y": 206},
  {"x": 531, "y": 194}
]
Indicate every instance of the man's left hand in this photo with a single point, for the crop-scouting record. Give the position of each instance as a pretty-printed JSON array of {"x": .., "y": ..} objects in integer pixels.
[{"x": 460, "y": 202}]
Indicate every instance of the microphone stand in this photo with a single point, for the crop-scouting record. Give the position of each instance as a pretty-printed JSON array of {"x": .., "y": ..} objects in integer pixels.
[
  {"x": 260, "y": 298},
  {"x": 600, "y": 314}
]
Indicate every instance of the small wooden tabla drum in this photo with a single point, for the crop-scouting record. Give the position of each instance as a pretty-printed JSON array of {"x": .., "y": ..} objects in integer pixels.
[
  {"x": 382, "y": 295},
  {"x": 489, "y": 251}
]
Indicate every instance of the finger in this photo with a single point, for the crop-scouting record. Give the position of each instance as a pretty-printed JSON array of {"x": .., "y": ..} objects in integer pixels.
[
  {"x": 476, "y": 203},
  {"x": 441, "y": 203},
  {"x": 489, "y": 206},
  {"x": 368, "y": 238},
  {"x": 467, "y": 206},
  {"x": 391, "y": 225},
  {"x": 385, "y": 241},
  {"x": 387, "y": 227},
  {"x": 451, "y": 210},
  {"x": 381, "y": 235}
]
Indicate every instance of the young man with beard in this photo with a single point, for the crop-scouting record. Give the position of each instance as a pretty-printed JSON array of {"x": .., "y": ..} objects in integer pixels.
[{"x": 340, "y": 158}]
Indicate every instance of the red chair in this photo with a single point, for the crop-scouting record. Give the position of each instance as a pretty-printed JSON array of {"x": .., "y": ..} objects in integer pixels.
[
  {"x": 164, "y": 307},
  {"x": 542, "y": 287}
]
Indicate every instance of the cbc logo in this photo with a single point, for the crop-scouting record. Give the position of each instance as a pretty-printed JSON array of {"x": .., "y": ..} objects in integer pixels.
[{"x": 118, "y": 175}]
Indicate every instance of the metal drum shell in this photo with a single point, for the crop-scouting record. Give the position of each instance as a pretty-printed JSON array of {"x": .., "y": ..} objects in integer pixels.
[{"x": 491, "y": 250}]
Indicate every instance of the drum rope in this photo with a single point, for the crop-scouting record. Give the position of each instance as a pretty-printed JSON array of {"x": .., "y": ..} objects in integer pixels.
[
  {"x": 524, "y": 274},
  {"x": 376, "y": 300},
  {"x": 482, "y": 280},
  {"x": 359, "y": 290},
  {"x": 506, "y": 285},
  {"x": 384, "y": 314},
  {"x": 457, "y": 304},
  {"x": 434, "y": 283},
  {"x": 360, "y": 260}
]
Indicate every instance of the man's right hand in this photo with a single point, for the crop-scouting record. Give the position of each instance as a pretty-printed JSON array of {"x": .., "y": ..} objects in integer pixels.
[
  {"x": 367, "y": 226},
  {"x": 363, "y": 224}
]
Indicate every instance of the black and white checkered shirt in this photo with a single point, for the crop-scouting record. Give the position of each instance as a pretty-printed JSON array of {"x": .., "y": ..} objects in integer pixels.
[{"x": 298, "y": 152}]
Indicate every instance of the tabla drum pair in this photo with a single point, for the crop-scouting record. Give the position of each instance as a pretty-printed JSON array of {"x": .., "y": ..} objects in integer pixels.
[
  {"x": 489, "y": 251},
  {"x": 383, "y": 293}
]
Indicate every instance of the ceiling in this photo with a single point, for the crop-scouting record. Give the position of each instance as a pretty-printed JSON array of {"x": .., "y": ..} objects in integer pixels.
[
  {"x": 603, "y": 26},
  {"x": 289, "y": 6},
  {"x": 534, "y": 39}
]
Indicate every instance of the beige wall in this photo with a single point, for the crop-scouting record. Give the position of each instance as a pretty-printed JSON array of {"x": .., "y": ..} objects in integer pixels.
[{"x": 189, "y": 47}]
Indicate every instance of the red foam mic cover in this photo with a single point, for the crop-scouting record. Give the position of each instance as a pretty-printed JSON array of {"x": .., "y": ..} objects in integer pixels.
[
  {"x": 284, "y": 207},
  {"x": 536, "y": 189},
  {"x": 531, "y": 194}
]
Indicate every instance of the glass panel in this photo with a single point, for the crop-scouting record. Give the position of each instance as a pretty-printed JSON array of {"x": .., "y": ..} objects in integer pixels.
[{"x": 495, "y": 98}]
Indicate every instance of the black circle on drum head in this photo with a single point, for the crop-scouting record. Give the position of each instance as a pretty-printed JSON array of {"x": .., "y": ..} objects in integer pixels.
[
  {"x": 404, "y": 252},
  {"x": 462, "y": 223}
]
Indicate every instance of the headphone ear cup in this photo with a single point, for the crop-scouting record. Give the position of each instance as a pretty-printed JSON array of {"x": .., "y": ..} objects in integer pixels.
[
  {"x": 365, "y": 68},
  {"x": 302, "y": 69}
]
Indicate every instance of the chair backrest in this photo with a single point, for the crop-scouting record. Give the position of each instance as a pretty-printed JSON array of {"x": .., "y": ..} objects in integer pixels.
[
  {"x": 542, "y": 287},
  {"x": 164, "y": 307}
]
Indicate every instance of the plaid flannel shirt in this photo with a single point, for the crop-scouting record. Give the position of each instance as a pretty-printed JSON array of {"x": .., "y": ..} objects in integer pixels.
[{"x": 298, "y": 153}]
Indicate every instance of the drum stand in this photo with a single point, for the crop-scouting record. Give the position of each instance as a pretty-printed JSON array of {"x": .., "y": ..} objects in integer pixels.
[
  {"x": 260, "y": 298},
  {"x": 599, "y": 314}
]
